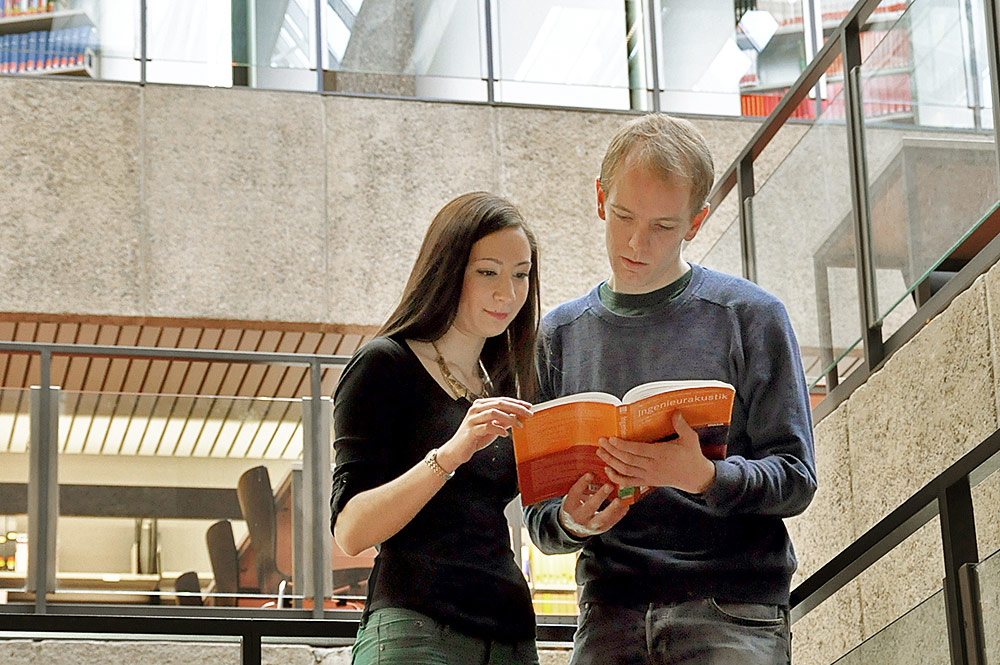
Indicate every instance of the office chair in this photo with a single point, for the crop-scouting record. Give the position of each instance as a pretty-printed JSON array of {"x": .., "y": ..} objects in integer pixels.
[
  {"x": 257, "y": 504},
  {"x": 225, "y": 562},
  {"x": 188, "y": 582}
]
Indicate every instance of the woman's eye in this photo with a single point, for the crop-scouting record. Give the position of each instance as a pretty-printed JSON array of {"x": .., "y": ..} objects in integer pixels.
[
  {"x": 487, "y": 273},
  {"x": 521, "y": 275}
]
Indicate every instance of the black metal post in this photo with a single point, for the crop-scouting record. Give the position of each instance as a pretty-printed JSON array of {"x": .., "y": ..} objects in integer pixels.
[
  {"x": 142, "y": 42},
  {"x": 861, "y": 206},
  {"x": 654, "y": 57},
  {"x": 745, "y": 191},
  {"x": 972, "y": 611},
  {"x": 320, "y": 46},
  {"x": 240, "y": 37},
  {"x": 319, "y": 528},
  {"x": 958, "y": 536},
  {"x": 992, "y": 20},
  {"x": 250, "y": 648},
  {"x": 488, "y": 18},
  {"x": 43, "y": 489},
  {"x": 633, "y": 31}
]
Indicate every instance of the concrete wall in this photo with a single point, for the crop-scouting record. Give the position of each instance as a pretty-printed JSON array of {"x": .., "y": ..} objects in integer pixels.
[
  {"x": 256, "y": 205},
  {"x": 933, "y": 401},
  {"x": 62, "y": 652}
]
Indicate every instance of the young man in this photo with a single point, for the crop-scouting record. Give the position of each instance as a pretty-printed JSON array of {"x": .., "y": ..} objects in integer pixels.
[{"x": 699, "y": 569}]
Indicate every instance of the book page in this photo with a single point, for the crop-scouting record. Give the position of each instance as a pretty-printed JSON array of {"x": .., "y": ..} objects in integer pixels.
[
  {"x": 600, "y": 398},
  {"x": 557, "y": 445},
  {"x": 644, "y": 390}
]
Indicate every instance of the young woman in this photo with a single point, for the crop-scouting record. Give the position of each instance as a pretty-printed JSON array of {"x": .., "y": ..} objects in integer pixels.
[{"x": 424, "y": 464}]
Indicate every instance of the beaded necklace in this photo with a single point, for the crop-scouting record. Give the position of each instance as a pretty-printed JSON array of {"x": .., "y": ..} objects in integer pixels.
[{"x": 462, "y": 390}]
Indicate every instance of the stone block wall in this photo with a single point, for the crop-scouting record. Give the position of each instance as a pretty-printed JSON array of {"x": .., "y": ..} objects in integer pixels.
[
  {"x": 933, "y": 400},
  {"x": 209, "y": 203}
]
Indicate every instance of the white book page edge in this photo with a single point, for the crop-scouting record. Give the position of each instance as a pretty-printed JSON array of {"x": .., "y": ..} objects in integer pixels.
[
  {"x": 602, "y": 398},
  {"x": 645, "y": 390}
]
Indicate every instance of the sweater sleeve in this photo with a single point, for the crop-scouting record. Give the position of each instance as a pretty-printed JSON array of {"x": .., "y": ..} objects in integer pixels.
[
  {"x": 546, "y": 532},
  {"x": 777, "y": 476}
]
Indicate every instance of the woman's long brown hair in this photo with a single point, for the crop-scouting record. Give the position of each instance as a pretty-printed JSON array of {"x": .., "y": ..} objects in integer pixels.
[{"x": 430, "y": 298}]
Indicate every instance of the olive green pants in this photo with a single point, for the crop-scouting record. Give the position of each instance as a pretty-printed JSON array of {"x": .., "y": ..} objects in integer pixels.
[{"x": 394, "y": 636}]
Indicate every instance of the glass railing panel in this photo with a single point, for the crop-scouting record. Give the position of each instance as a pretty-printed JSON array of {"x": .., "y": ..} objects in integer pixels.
[
  {"x": 919, "y": 637},
  {"x": 930, "y": 152},
  {"x": 15, "y": 434},
  {"x": 157, "y": 486},
  {"x": 568, "y": 52},
  {"x": 804, "y": 238},
  {"x": 717, "y": 245},
  {"x": 432, "y": 49},
  {"x": 882, "y": 17},
  {"x": 989, "y": 594}
]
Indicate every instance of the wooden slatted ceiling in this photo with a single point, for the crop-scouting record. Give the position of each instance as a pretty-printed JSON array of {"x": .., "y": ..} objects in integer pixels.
[{"x": 122, "y": 406}]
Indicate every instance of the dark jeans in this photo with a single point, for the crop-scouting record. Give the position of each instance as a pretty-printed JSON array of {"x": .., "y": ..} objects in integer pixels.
[
  {"x": 394, "y": 636},
  {"x": 702, "y": 632}
]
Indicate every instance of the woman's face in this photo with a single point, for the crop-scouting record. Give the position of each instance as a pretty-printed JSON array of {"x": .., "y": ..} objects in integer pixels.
[{"x": 496, "y": 283}]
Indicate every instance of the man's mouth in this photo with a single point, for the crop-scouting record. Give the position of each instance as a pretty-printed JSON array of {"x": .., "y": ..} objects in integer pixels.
[{"x": 629, "y": 263}]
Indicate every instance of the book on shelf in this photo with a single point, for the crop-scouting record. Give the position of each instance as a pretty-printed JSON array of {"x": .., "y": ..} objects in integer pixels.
[
  {"x": 559, "y": 442},
  {"x": 11, "y": 8}
]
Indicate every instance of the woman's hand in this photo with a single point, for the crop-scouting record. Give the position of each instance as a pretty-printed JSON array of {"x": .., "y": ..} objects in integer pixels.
[{"x": 486, "y": 419}]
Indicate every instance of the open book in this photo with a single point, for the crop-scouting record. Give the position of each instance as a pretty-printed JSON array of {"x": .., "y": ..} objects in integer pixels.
[{"x": 558, "y": 444}]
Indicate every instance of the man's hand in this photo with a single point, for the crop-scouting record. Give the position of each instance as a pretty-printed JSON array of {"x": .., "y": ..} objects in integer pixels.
[
  {"x": 580, "y": 512},
  {"x": 678, "y": 463}
]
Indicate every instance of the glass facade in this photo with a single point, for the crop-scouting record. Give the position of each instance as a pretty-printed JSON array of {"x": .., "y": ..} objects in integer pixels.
[{"x": 720, "y": 57}]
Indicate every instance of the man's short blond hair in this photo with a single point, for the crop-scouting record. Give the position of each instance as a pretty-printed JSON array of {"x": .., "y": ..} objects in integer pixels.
[{"x": 667, "y": 145}]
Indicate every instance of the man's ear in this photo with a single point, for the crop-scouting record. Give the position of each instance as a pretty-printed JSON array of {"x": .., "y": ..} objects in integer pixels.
[
  {"x": 696, "y": 224},
  {"x": 600, "y": 199}
]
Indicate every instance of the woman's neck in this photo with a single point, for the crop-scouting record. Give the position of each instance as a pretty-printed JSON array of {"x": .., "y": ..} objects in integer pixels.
[{"x": 461, "y": 349}]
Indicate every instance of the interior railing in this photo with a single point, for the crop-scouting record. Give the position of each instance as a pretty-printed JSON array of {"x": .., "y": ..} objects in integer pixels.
[
  {"x": 885, "y": 207},
  {"x": 948, "y": 496}
]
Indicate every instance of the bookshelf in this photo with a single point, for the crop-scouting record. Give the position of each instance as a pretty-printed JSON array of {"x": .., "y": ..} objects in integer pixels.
[{"x": 52, "y": 42}]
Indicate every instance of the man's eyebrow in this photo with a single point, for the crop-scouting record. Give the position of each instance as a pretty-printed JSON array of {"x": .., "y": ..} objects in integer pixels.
[{"x": 618, "y": 206}]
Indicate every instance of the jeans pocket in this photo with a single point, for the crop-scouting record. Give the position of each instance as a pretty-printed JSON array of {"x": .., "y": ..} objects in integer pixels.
[
  {"x": 749, "y": 614},
  {"x": 403, "y": 629}
]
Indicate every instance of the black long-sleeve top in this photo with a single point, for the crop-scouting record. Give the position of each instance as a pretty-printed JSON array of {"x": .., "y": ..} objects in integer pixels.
[{"x": 453, "y": 561}]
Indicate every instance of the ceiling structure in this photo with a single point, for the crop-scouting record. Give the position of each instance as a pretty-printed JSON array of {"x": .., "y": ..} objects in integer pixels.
[{"x": 134, "y": 406}]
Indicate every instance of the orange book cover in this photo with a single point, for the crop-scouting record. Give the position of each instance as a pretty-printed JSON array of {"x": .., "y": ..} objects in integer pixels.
[{"x": 558, "y": 444}]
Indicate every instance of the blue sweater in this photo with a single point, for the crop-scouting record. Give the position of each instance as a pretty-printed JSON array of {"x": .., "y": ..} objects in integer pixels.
[{"x": 730, "y": 542}]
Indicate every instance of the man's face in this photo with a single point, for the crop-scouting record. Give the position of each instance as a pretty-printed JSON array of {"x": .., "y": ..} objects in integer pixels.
[{"x": 647, "y": 218}]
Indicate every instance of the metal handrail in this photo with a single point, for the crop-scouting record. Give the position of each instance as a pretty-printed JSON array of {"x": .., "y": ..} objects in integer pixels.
[
  {"x": 248, "y": 630},
  {"x": 104, "y": 351}
]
